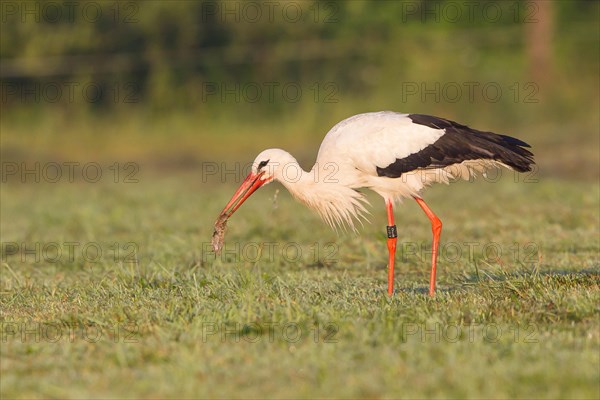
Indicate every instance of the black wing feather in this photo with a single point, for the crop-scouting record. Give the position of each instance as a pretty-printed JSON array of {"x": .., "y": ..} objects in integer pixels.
[{"x": 460, "y": 143}]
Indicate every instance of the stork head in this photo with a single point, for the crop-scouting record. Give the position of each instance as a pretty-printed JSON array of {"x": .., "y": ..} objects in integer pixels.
[
  {"x": 269, "y": 165},
  {"x": 272, "y": 164}
]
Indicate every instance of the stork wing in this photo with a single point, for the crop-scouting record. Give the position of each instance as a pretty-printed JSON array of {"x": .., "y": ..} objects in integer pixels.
[{"x": 390, "y": 144}]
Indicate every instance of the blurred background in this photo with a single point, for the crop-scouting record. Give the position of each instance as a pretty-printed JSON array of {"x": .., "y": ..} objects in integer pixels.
[{"x": 171, "y": 85}]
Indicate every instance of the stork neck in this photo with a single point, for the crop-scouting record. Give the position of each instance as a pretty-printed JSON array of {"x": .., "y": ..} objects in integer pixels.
[
  {"x": 293, "y": 177},
  {"x": 336, "y": 203},
  {"x": 308, "y": 186}
]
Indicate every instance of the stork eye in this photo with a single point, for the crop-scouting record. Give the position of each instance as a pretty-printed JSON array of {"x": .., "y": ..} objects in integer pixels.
[{"x": 262, "y": 164}]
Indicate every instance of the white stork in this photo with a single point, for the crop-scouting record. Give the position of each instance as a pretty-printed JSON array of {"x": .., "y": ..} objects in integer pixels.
[{"x": 395, "y": 155}]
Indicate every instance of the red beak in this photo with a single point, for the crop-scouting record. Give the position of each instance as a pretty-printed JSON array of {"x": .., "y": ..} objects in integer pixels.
[{"x": 249, "y": 186}]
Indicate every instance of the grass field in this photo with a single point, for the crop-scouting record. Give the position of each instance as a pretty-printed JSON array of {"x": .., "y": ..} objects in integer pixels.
[{"x": 110, "y": 290}]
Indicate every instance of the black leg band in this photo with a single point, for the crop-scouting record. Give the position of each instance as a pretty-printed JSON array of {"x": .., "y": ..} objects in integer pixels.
[{"x": 392, "y": 232}]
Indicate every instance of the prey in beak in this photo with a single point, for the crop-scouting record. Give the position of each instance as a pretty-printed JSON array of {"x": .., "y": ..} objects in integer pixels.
[{"x": 252, "y": 182}]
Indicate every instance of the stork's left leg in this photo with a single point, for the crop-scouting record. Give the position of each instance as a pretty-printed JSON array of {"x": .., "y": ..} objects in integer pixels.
[
  {"x": 392, "y": 235},
  {"x": 436, "y": 227}
]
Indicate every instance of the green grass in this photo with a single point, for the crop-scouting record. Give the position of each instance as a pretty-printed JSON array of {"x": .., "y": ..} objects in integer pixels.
[{"x": 171, "y": 320}]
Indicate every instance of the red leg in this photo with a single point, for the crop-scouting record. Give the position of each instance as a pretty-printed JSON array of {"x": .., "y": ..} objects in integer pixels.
[
  {"x": 436, "y": 227},
  {"x": 391, "y": 245}
]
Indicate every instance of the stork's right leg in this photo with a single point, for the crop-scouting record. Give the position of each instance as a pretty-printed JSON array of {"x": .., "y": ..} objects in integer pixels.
[
  {"x": 392, "y": 235},
  {"x": 436, "y": 228}
]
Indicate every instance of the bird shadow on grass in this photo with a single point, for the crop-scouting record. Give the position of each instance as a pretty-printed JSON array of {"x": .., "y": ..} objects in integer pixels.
[
  {"x": 485, "y": 276},
  {"x": 586, "y": 277},
  {"x": 322, "y": 265}
]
